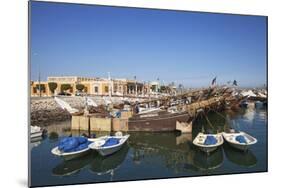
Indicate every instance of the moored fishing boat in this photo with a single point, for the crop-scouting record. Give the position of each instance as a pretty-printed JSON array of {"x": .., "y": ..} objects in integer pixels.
[
  {"x": 148, "y": 110},
  {"x": 160, "y": 121},
  {"x": 208, "y": 142},
  {"x": 108, "y": 145},
  {"x": 71, "y": 147},
  {"x": 35, "y": 132},
  {"x": 244, "y": 104},
  {"x": 239, "y": 140}
]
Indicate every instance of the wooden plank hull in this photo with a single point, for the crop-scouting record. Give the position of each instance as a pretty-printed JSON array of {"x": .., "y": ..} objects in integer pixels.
[{"x": 161, "y": 123}]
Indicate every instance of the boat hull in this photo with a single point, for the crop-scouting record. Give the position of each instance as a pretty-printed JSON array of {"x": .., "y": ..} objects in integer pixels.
[
  {"x": 109, "y": 151},
  {"x": 165, "y": 122},
  {"x": 199, "y": 140},
  {"x": 239, "y": 147},
  {"x": 36, "y": 134},
  {"x": 208, "y": 150},
  {"x": 70, "y": 156},
  {"x": 75, "y": 156},
  {"x": 244, "y": 105}
]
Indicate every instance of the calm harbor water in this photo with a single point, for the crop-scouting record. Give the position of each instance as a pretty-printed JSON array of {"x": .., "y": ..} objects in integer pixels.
[{"x": 154, "y": 155}]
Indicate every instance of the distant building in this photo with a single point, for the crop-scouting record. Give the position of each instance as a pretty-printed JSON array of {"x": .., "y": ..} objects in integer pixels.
[{"x": 92, "y": 86}]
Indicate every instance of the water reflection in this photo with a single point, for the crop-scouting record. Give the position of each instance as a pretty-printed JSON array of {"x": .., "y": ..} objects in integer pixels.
[
  {"x": 97, "y": 164},
  {"x": 53, "y": 136},
  {"x": 107, "y": 165},
  {"x": 245, "y": 159},
  {"x": 178, "y": 153},
  {"x": 184, "y": 138},
  {"x": 66, "y": 168},
  {"x": 34, "y": 142},
  {"x": 154, "y": 154},
  {"x": 207, "y": 163},
  {"x": 249, "y": 115}
]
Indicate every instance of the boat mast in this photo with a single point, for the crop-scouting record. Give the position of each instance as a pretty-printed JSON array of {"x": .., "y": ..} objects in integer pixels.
[
  {"x": 39, "y": 77},
  {"x": 110, "y": 84},
  {"x": 39, "y": 84}
]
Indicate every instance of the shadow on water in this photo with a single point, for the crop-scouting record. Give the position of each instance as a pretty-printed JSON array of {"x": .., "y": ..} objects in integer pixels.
[{"x": 245, "y": 159}]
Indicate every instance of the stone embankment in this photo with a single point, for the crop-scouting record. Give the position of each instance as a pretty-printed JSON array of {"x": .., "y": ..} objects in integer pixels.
[{"x": 45, "y": 110}]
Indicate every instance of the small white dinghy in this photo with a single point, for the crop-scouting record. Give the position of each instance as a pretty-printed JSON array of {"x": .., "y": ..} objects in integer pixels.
[
  {"x": 208, "y": 142},
  {"x": 72, "y": 153},
  {"x": 108, "y": 145},
  {"x": 240, "y": 140},
  {"x": 35, "y": 132}
]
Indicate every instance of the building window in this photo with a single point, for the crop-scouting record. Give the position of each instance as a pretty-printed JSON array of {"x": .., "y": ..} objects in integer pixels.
[
  {"x": 96, "y": 89},
  {"x": 106, "y": 89}
]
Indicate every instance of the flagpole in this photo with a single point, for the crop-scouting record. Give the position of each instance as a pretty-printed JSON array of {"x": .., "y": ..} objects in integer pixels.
[{"x": 39, "y": 79}]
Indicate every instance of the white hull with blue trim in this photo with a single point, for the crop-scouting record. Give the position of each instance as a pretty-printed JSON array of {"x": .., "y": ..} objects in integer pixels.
[
  {"x": 231, "y": 139},
  {"x": 98, "y": 145},
  {"x": 200, "y": 139}
]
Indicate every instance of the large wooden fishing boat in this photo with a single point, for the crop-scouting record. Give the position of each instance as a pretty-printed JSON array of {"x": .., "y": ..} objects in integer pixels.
[
  {"x": 160, "y": 121},
  {"x": 164, "y": 120}
]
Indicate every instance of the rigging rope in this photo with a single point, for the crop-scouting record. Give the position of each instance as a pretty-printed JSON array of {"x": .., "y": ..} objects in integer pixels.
[{"x": 219, "y": 114}]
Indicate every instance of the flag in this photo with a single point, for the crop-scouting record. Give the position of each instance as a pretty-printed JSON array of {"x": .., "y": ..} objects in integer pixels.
[
  {"x": 214, "y": 81},
  {"x": 235, "y": 83}
]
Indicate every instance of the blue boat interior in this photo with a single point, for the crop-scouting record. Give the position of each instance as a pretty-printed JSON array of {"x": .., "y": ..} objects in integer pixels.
[
  {"x": 111, "y": 142},
  {"x": 72, "y": 144},
  {"x": 241, "y": 139},
  {"x": 210, "y": 140}
]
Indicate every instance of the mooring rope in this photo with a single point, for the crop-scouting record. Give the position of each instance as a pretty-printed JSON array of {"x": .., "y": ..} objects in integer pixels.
[
  {"x": 208, "y": 121},
  {"x": 226, "y": 120}
]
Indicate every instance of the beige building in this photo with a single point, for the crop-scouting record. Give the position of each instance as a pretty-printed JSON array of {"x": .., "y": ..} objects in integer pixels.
[{"x": 91, "y": 86}]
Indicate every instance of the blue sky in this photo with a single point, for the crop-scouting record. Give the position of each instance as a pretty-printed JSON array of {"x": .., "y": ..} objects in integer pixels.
[{"x": 184, "y": 47}]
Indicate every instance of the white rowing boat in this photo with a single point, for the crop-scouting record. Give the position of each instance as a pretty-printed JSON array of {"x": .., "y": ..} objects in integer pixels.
[
  {"x": 35, "y": 132},
  {"x": 201, "y": 141},
  {"x": 71, "y": 147},
  {"x": 70, "y": 155},
  {"x": 103, "y": 149},
  {"x": 243, "y": 143}
]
